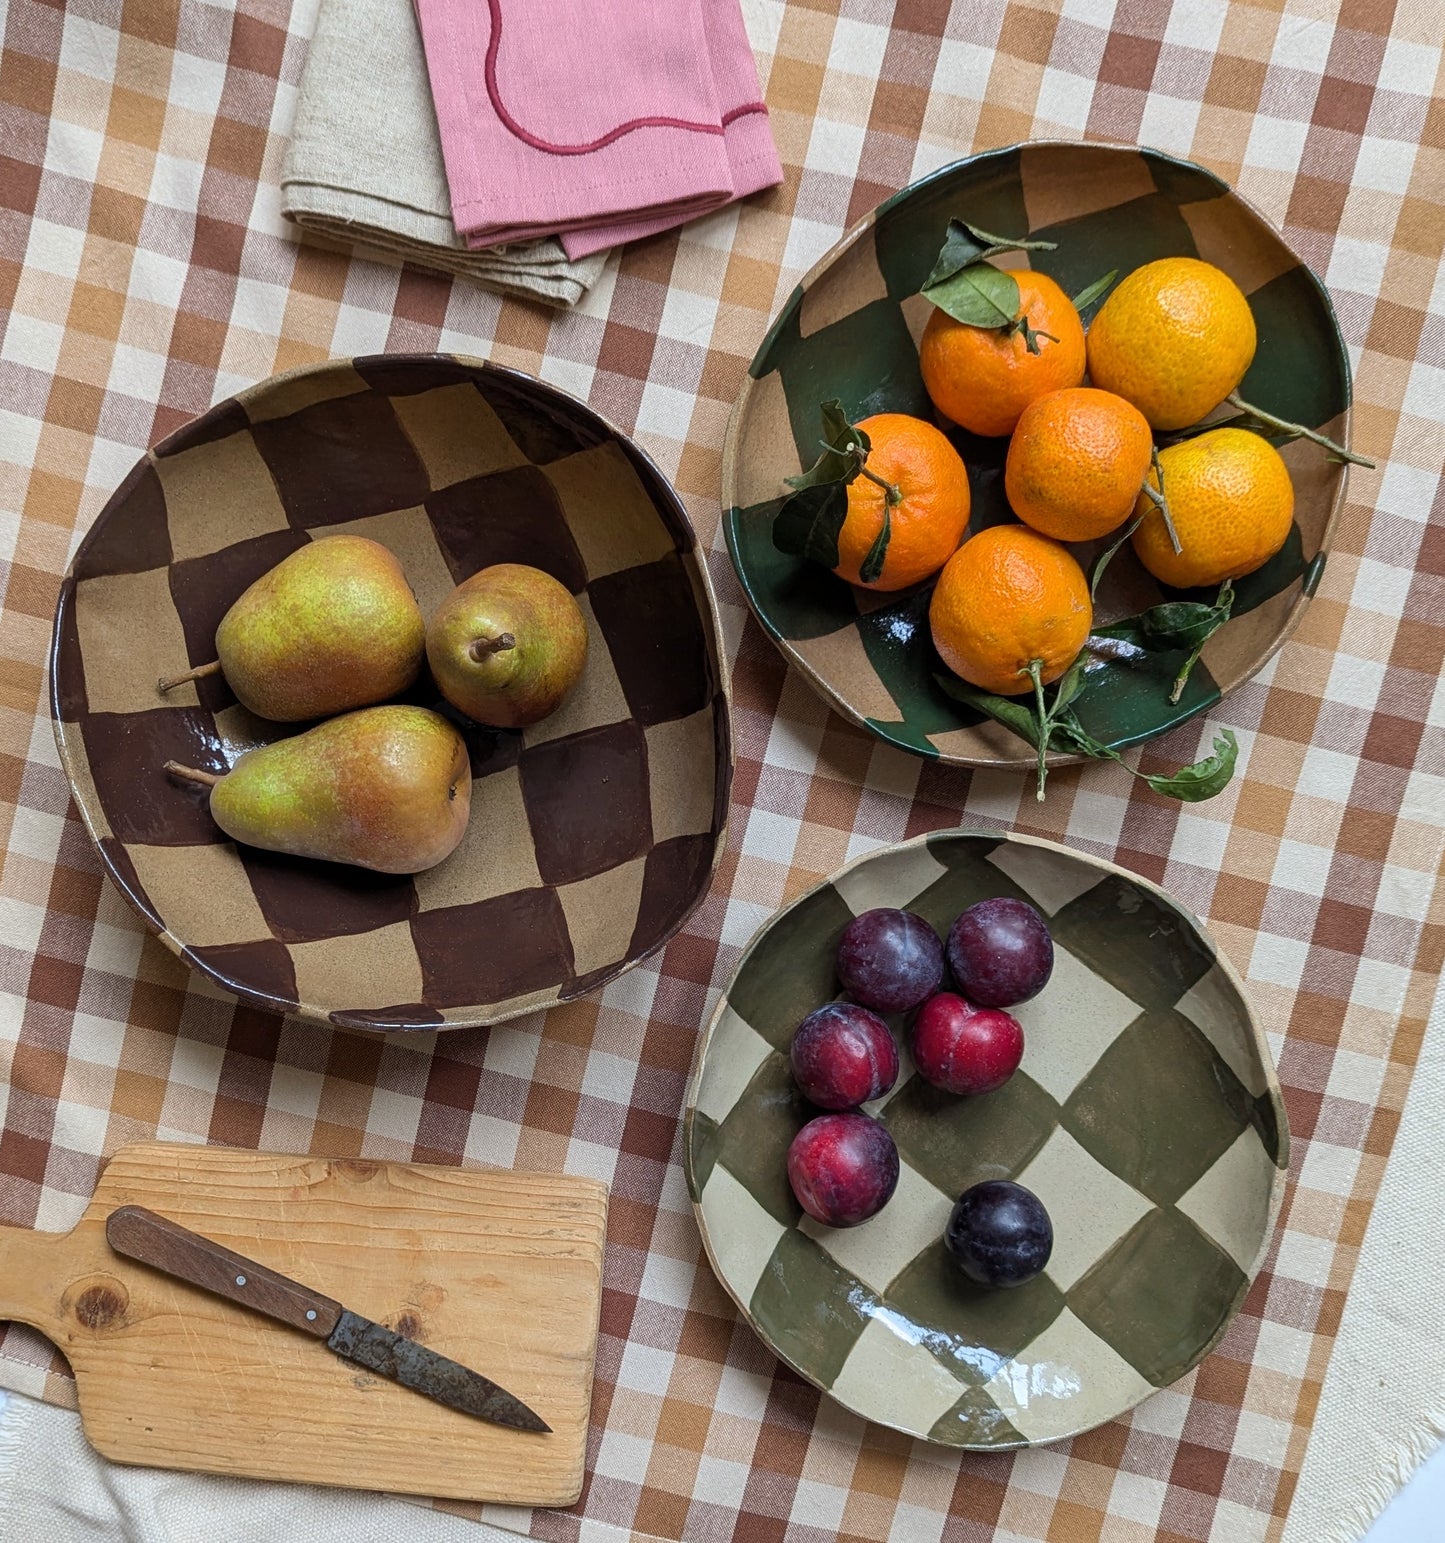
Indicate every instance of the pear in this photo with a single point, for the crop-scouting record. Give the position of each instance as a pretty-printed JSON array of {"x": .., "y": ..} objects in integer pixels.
[
  {"x": 387, "y": 788},
  {"x": 507, "y": 645},
  {"x": 331, "y": 627}
]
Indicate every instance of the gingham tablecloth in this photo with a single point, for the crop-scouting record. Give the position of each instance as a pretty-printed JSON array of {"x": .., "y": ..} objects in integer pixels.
[{"x": 144, "y": 272}]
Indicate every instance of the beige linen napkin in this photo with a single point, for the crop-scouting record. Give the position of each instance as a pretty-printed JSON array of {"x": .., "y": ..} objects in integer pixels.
[
  {"x": 365, "y": 163},
  {"x": 55, "y": 1488}
]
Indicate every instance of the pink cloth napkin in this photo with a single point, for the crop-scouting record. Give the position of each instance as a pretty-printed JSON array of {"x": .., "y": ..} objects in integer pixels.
[{"x": 596, "y": 120}]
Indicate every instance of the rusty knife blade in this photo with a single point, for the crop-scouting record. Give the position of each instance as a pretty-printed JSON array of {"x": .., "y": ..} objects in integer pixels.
[{"x": 403, "y": 1360}]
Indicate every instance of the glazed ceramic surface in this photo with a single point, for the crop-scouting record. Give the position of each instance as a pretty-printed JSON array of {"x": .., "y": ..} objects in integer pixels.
[
  {"x": 851, "y": 331},
  {"x": 1146, "y": 1115},
  {"x": 593, "y": 834}
]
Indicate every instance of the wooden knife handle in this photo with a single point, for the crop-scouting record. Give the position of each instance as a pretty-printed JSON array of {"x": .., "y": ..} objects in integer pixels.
[{"x": 165, "y": 1245}]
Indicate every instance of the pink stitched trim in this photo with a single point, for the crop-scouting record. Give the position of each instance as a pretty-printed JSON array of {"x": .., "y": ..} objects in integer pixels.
[{"x": 494, "y": 42}]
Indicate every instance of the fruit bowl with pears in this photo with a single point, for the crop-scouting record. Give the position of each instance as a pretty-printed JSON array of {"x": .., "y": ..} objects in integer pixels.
[
  {"x": 1043, "y": 459},
  {"x": 391, "y": 693}
]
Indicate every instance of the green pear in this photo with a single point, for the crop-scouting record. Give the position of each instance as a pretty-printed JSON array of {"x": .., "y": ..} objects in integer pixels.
[
  {"x": 331, "y": 627},
  {"x": 507, "y": 645},
  {"x": 387, "y": 788}
]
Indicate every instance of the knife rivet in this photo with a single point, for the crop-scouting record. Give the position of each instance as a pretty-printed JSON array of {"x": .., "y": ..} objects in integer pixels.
[
  {"x": 311, "y": 1315},
  {"x": 240, "y": 1280}
]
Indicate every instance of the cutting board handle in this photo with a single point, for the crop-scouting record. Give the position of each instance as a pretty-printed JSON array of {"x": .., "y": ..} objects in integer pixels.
[{"x": 33, "y": 1278}]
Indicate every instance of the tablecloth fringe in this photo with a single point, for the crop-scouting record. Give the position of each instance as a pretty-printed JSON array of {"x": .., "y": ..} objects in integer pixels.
[{"x": 1412, "y": 1453}]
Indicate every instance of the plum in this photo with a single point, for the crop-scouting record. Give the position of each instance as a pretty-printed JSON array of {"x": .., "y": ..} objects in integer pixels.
[
  {"x": 965, "y": 1049},
  {"x": 999, "y": 1234},
  {"x": 890, "y": 960},
  {"x": 843, "y": 1168},
  {"x": 842, "y": 1055},
  {"x": 1000, "y": 952}
]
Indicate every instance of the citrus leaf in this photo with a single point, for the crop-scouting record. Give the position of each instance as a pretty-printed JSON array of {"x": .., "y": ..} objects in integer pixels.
[
  {"x": 1174, "y": 625},
  {"x": 808, "y": 522},
  {"x": 1107, "y": 556},
  {"x": 979, "y": 295},
  {"x": 1069, "y": 685},
  {"x": 837, "y": 463},
  {"x": 872, "y": 565},
  {"x": 1005, "y": 710},
  {"x": 964, "y": 244},
  {"x": 1206, "y": 778},
  {"x": 1095, "y": 291}
]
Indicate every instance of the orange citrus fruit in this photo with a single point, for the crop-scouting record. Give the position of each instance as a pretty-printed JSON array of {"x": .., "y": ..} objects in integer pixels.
[
  {"x": 1009, "y": 596},
  {"x": 1232, "y": 502},
  {"x": 931, "y": 515},
  {"x": 1175, "y": 338},
  {"x": 984, "y": 377},
  {"x": 1076, "y": 463}
]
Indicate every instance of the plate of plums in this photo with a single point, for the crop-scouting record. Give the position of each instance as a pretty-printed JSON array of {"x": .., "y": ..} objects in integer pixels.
[
  {"x": 389, "y": 690},
  {"x": 984, "y": 1140}
]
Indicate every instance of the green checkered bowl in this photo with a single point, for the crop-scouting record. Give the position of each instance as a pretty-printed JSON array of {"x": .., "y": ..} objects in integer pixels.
[
  {"x": 1146, "y": 1115},
  {"x": 850, "y": 330}
]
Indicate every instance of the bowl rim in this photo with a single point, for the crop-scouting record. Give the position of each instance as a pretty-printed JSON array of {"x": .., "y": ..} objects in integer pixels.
[
  {"x": 311, "y": 1012},
  {"x": 730, "y": 453},
  {"x": 1278, "y": 1185}
]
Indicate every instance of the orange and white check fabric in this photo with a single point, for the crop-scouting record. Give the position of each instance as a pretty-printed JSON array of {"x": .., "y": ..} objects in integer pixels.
[{"x": 145, "y": 272}]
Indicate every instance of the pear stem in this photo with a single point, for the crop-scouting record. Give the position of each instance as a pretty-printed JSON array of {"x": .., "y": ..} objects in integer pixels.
[
  {"x": 483, "y": 648},
  {"x": 191, "y": 774},
  {"x": 169, "y": 682}
]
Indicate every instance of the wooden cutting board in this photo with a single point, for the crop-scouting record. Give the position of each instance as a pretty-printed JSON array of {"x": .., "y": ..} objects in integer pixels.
[{"x": 501, "y": 1271}]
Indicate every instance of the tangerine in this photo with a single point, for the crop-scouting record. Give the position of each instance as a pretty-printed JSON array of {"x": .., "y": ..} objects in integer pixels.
[
  {"x": 930, "y": 514},
  {"x": 1174, "y": 338},
  {"x": 1006, "y": 598},
  {"x": 984, "y": 377},
  {"x": 1232, "y": 502},
  {"x": 1076, "y": 463}
]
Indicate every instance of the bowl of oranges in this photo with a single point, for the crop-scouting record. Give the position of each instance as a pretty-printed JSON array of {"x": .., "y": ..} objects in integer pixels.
[{"x": 1042, "y": 459}]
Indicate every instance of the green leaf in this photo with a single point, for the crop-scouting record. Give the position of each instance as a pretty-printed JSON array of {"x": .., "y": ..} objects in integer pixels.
[
  {"x": 837, "y": 463},
  {"x": 1095, "y": 291},
  {"x": 872, "y": 564},
  {"x": 1008, "y": 711},
  {"x": 1177, "y": 624},
  {"x": 1206, "y": 778},
  {"x": 1069, "y": 684},
  {"x": 808, "y": 522},
  {"x": 965, "y": 244},
  {"x": 1107, "y": 556},
  {"x": 979, "y": 295}
]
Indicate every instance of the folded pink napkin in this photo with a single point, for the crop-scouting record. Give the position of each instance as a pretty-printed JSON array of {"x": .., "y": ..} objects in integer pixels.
[{"x": 594, "y": 120}]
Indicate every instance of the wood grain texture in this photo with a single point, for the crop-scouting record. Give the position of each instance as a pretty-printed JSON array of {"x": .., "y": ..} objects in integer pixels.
[{"x": 500, "y": 1271}]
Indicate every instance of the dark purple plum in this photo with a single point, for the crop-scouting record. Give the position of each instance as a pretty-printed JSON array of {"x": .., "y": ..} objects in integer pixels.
[
  {"x": 965, "y": 1049},
  {"x": 999, "y": 1234},
  {"x": 1000, "y": 952},
  {"x": 843, "y": 1168},
  {"x": 889, "y": 960},
  {"x": 843, "y": 1055}
]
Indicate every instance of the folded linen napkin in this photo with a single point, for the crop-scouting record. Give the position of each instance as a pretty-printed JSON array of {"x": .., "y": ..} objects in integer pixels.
[
  {"x": 600, "y": 121},
  {"x": 365, "y": 163}
]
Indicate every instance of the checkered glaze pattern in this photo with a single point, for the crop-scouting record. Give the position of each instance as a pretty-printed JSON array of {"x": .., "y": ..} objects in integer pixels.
[
  {"x": 592, "y": 834},
  {"x": 1146, "y": 1116},
  {"x": 145, "y": 273}
]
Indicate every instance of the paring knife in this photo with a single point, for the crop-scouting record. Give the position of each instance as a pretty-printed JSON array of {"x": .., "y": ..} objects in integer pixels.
[{"x": 165, "y": 1245}]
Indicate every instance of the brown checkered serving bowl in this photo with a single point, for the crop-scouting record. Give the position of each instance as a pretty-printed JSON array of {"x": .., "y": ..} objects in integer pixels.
[{"x": 593, "y": 835}]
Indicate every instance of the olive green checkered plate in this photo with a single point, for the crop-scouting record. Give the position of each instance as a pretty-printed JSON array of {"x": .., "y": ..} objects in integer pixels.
[
  {"x": 1146, "y": 1115},
  {"x": 850, "y": 330}
]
